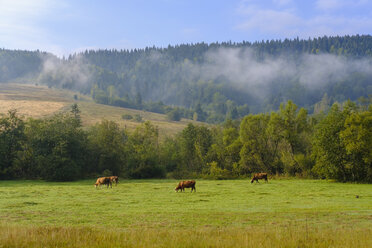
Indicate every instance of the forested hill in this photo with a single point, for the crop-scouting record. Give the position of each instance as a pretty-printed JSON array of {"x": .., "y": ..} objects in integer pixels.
[
  {"x": 351, "y": 46},
  {"x": 15, "y": 64},
  {"x": 211, "y": 82}
]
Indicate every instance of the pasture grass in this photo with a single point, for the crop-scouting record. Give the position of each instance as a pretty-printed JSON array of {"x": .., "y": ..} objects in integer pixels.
[{"x": 148, "y": 213}]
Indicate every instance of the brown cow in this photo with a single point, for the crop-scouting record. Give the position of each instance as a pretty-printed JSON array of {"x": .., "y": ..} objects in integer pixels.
[
  {"x": 185, "y": 184},
  {"x": 114, "y": 179},
  {"x": 257, "y": 176},
  {"x": 103, "y": 180}
]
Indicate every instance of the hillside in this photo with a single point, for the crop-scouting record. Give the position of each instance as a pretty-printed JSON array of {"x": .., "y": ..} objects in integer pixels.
[
  {"x": 41, "y": 101},
  {"x": 208, "y": 82}
]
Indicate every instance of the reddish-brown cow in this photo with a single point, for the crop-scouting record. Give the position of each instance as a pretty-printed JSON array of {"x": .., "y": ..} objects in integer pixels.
[
  {"x": 114, "y": 179},
  {"x": 104, "y": 181},
  {"x": 259, "y": 176},
  {"x": 185, "y": 184}
]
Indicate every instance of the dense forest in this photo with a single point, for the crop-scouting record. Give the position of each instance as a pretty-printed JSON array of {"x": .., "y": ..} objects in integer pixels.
[
  {"x": 208, "y": 82},
  {"x": 333, "y": 145}
]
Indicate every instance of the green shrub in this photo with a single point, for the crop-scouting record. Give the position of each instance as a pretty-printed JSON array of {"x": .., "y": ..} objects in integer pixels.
[
  {"x": 218, "y": 173},
  {"x": 107, "y": 173},
  {"x": 174, "y": 115},
  {"x": 126, "y": 117},
  {"x": 148, "y": 171},
  {"x": 138, "y": 118}
]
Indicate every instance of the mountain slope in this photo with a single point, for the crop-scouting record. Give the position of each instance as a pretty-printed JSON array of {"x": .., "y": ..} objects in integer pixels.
[{"x": 216, "y": 81}]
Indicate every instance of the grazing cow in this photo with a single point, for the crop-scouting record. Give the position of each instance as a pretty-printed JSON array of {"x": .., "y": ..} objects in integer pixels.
[
  {"x": 185, "y": 184},
  {"x": 114, "y": 179},
  {"x": 103, "y": 180},
  {"x": 257, "y": 176}
]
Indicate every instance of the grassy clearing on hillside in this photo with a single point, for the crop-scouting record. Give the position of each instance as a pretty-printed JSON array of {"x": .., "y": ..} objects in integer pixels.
[
  {"x": 31, "y": 101},
  {"x": 92, "y": 113},
  {"x": 34, "y": 109},
  {"x": 40, "y": 101},
  {"x": 221, "y": 213}
]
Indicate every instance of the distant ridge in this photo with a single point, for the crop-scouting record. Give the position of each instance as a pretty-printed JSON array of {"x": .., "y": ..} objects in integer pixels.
[{"x": 216, "y": 80}]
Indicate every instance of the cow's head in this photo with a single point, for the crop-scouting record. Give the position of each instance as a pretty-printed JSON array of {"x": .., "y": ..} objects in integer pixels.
[{"x": 177, "y": 188}]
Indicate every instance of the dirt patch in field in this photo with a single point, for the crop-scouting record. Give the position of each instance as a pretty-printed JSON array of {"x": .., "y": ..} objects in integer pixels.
[{"x": 31, "y": 108}]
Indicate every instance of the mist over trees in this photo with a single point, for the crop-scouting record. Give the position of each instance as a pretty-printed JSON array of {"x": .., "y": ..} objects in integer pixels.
[
  {"x": 208, "y": 82},
  {"x": 16, "y": 64}
]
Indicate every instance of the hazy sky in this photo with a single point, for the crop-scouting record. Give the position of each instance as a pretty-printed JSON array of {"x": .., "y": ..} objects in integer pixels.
[{"x": 67, "y": 26}]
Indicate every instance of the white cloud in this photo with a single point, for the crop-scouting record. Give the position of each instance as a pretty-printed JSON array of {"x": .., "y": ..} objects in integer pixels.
[
  {"x": 282, "y": 22},
  {"x": 20, "y": 24},
  {"x": 23, "y": 8},
  {"x": 328, "y": 4},
  {"x": 331, "y": 5},
  {"x": 270, "y": 21},
  {"x": 189, "y": 32},
  {"x": 336, "y": 25},
  {"x": 282, "y": 2}
]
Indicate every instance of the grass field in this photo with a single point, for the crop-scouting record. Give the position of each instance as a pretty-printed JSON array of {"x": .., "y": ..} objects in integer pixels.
[
  {"x": 148, "y": 213},
  {"x": 40, "y": 101}
]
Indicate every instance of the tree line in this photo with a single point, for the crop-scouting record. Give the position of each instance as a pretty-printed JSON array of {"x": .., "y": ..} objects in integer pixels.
[{"x": 336, "y": 144}]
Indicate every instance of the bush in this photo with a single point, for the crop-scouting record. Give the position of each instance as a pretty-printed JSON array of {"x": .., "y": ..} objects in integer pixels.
[
  {"x": 59, "y": 169},
  {"x": 305, "y": 164},
  {"x": 174, "y": 115},
  {"x": 126, "y": 117},
  {"x": 138, "y": 118},
  {"x": 182, "y": 174},
  {"x": 218, "y": 173},
  {"x": 120, "y": 102},
  {"x": 107, "y": 173},
  {"x": 148, "y": 171}
]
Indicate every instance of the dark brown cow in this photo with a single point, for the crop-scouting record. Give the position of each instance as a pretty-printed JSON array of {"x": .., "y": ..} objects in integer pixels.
[
  {"x": 185, "y": 184},
  {"x": 103, "y": 180},
  {"x": 259, "y": 176},
  {"x": 114, "y": 179}
]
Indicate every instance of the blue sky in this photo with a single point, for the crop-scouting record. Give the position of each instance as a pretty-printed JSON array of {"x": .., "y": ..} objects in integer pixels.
[{"x": 67, "y": 26}]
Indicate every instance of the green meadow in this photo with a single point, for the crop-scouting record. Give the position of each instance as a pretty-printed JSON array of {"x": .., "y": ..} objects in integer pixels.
[{"x": 148, "y": 213}]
